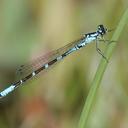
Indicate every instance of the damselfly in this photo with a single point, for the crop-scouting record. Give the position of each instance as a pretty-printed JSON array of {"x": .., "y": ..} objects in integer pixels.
[{"x": 57, "y": 55}]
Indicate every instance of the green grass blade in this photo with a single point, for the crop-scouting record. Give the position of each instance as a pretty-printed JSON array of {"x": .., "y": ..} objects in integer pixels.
[{"x": 100, "y": 71}]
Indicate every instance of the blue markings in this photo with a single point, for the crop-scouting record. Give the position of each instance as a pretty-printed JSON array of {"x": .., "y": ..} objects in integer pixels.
[{"x": 7, "y": 90}]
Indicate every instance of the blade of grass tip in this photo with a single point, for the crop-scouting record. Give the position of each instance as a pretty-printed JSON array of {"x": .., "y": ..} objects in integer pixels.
[{"x": 100, "y": 71}]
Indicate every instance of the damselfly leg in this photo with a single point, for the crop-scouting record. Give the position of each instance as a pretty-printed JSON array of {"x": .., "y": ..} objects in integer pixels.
[{"x": 99, "y": 51}]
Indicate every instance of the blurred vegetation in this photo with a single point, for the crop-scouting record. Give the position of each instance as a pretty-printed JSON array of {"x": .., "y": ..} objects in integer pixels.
[{"x": 55, "y": 99}]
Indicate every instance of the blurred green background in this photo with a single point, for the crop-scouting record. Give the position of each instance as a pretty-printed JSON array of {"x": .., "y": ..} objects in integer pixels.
[{"x": 55, "y": 98}]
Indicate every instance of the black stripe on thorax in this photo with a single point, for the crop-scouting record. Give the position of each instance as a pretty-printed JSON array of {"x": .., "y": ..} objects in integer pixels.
[{"x": 64, "y": 55}]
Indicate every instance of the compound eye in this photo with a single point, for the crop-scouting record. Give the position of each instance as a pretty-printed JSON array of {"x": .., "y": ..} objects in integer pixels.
[
  {"x": 101, "y": 29},
  {"x": 100, "y": 26}
]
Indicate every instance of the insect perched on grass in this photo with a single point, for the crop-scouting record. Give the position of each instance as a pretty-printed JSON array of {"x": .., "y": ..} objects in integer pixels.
[{"x": 57, "y": 55}]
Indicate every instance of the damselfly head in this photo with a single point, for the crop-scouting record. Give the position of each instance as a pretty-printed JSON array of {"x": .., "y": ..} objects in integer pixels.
[{"x": 102, "y": 30}]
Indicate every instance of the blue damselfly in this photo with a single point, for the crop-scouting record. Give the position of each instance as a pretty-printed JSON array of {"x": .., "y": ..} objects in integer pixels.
[{"x": 57, "y": 55}]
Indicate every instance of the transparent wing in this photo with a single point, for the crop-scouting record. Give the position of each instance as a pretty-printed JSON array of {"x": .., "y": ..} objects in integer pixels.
[{"x": 26, "y": 69}]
